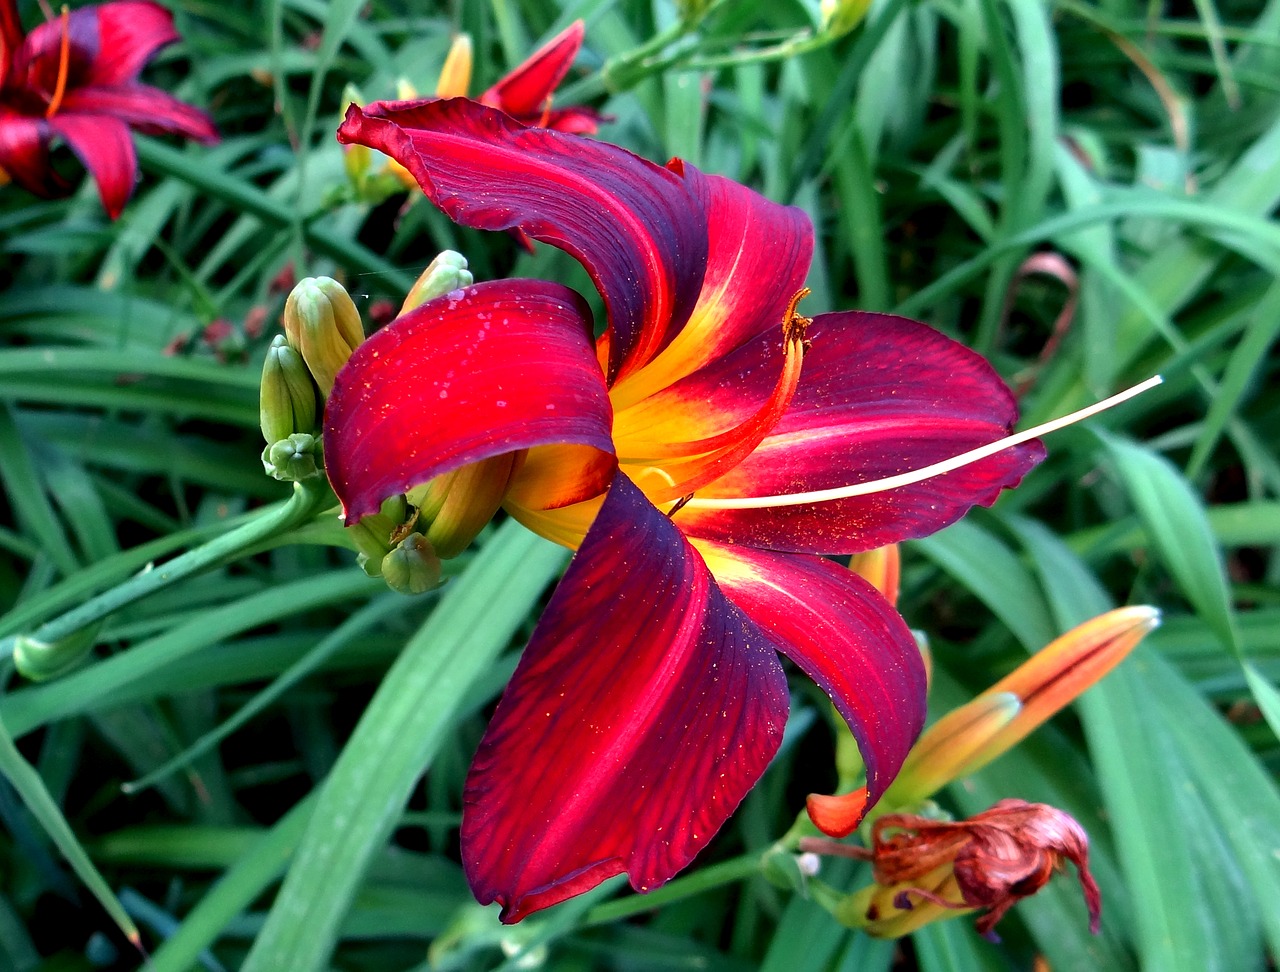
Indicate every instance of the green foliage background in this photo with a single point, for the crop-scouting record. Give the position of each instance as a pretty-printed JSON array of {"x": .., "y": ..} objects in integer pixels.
[{"x": 271, "y": 717}]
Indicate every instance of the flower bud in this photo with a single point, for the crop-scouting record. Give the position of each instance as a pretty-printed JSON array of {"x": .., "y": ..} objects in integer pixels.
[
  {"x": 373, "y": 534},
  {"x": 42, "y": 660},
  {"x": 966, "y": 739},
  {"x": 446, "y": 273},
  {"x": 841, "y": 16},
  {"x": 294, "y": 458},
  {"x": 287, "y": 401},
  {"x": 412, "y": 567},
  {"x": 455, "y": 76},
  {"x": 458, "y": 505},
  {"x": 322, "y": 323},
  {"x": 881, "y": 568}
]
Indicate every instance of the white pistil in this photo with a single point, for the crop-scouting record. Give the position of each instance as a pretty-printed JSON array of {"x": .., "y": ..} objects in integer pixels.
[{"x": 927, "y": 472}]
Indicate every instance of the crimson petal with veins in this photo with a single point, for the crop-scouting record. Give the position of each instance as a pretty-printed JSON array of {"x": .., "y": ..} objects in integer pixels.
[
  {"x": 635, "y": 226},
  {"x": 644, "y": 708},
  {"x": 879, "y": 395},
  {"x": 499, "y": 367},
  {"x": 105, "y": 147}
]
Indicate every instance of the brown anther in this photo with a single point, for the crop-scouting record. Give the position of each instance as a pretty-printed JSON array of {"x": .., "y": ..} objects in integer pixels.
[
  {"x": 794, "y": 325},
  {"x": 679, "y": 505},
  {"x": 404, "y": 529}
]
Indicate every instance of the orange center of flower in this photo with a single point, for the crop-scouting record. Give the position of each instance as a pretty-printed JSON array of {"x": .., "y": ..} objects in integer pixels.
[
  {"x": 670, "y": 471},
  {"x": 64, "y": 66}
]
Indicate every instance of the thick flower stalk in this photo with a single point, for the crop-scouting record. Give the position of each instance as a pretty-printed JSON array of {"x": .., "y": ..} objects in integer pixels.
[
  {"x": 74, "y": 78},
  {"x": 650, "y": 697}
]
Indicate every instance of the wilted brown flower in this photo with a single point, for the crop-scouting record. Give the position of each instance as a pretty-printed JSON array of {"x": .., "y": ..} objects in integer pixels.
[{"x": 991, "y": 861}]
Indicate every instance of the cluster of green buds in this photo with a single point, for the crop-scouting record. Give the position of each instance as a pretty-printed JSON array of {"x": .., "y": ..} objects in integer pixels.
[
  {"x": 322, "y": 328},
  {"x": 404, "y": 541}
]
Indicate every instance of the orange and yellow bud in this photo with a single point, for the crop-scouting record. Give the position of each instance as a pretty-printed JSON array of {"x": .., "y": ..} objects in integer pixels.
[
  {"x": 881, "y": 568},
  {"x": 967, "y": 738},
  {"x": 455, "y": 76}
]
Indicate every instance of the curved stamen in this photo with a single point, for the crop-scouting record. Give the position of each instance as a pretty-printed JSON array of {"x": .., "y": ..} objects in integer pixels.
[
  {"x": 64, "y": 65},
  {"x": 919, "y": 475}
]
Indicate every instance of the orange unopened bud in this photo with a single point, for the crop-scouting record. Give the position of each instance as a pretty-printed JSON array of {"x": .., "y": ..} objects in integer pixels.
[
  {"x": 927, "y": 869},
  {"x": 967, "y": 738},
  {"x": 881, "y": 568},
  {"x": 455, "y": 76}
]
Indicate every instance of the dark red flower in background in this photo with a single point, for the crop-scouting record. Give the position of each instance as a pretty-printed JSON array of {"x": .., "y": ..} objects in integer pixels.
[
  {"x": 74, "y": 78},
  {"x": 650, "y": 698}
]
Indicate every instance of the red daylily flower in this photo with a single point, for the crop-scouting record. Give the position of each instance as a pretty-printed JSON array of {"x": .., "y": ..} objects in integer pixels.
[
  {"x": 650, "y": 698},
  {"x": 75, "y": 78},
  {"x": 525, "y": 93}
]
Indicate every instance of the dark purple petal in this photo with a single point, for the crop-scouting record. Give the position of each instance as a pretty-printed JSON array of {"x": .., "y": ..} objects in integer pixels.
[
  {"x": 635, "y": 226},
  {"x": 493, "y": 369},
  {"x": 879, "y": 395},
  {"x": 645, "y": 707},
  {"x": 844, "y": 635}
]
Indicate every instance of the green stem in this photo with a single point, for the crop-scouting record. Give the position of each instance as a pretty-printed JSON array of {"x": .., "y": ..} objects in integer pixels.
[
  {"x": 707, "y": 879},
  {"x": 307, "y": 498}
]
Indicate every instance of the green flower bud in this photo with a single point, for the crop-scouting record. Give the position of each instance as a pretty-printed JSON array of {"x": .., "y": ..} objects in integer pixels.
[
  {"x": 43, "y": 660},
  {"x": 412, "y": 567},
  {"x": 372, "y": 535},
  {"x": 287, "y": 402},
  {"x": 294, "y": 458},
  {"x": 322, "y": 323},
  {"x": 446, "y": 273},
  {"x": 841, "y": 16},
  {"x": 456, "y": 506}
]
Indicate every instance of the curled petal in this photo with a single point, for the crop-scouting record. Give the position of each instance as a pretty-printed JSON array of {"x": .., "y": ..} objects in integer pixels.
[
  {"x": 758, "y": 255},
  {"x": 526, "y": 89},
  {"x": 880, "y": 395},
  {"x": 635, "y": 226},
  {"x": 496, "y": 368},
  {"x": 845, "y": 636},
  {"x": 145, "y": 108},
  {"x": 644, "y": 708},
  {"x": 105, "y": 147}
]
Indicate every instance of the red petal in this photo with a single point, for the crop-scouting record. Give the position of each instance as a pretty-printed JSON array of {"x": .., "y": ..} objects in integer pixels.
[
  {"x": 879, "y": 395},
  {"x": 129, "y": 34},
  {"x": 635, "y": 226},
  {"x": 105, "y": 147},
  {"x": 844, "y": 635},
  {"x": 142, "y": 107},
  {"x": 577, "y": 120},
  {"x": 526, "y": 89},
  {"x": 10, "y": 35},
  {"x": 644, "y": 709},
  {"x": 24, "y": 154},
  {"x": 500, "y": 367},
  {"x": 758, "y": 255}
]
